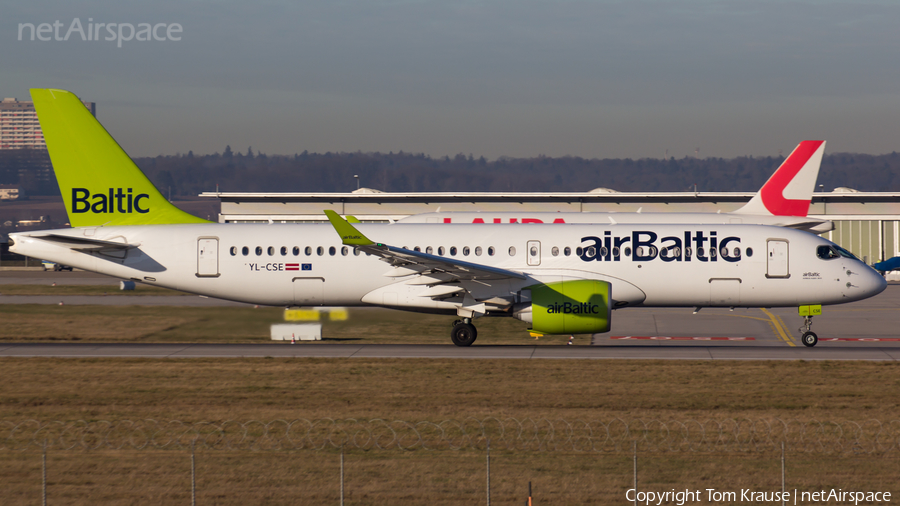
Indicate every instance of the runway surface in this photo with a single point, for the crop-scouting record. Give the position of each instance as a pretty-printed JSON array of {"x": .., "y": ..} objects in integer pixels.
[
  {"x": 119, "y": 300},
  {"x": 327, "y": 350},
  {"x": 39, "y": 277},
  {"x": 865, "y": 330}
]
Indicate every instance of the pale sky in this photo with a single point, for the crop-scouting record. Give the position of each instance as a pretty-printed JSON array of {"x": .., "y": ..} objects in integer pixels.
[{"x": 491, "y": 78}]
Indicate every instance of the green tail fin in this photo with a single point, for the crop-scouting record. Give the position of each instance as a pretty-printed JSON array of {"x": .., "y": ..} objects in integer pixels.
[{"x": 100, "y": 185}]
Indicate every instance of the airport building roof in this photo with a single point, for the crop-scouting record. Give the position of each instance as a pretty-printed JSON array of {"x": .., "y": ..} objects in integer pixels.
[
  {"x": 866, "y": 223},
  {"x": 382, "y": 206}
]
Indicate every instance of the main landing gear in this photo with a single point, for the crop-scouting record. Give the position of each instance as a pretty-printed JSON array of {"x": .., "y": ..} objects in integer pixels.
[
  {"x": 809, "y": 338},
  {"x": 463, "y": 333}
]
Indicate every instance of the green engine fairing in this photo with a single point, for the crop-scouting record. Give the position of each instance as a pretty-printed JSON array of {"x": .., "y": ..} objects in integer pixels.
[{"x": 571, "y": 307}]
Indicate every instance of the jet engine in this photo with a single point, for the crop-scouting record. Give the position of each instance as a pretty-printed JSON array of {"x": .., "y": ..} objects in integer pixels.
[{"x": 580, "y": 306}]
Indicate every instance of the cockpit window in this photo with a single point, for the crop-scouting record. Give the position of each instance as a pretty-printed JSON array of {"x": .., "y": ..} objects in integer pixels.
[
  {"x": 845, "y": 253},
  {"x": 827, "y": 252}
]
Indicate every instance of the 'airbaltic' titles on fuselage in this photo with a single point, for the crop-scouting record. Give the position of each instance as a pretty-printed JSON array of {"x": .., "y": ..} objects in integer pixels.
[
  {"x": 644, "y": 245},
  {"x": 115, "y": 201}
]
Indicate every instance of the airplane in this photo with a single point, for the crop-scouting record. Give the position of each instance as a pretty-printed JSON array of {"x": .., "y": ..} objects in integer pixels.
[
  {"x": 562, "y": 279},
  {"x": 782, "y": 201}
]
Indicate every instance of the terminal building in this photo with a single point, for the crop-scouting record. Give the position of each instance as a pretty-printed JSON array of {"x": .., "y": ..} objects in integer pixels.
[{"x": 865, "y": 223}]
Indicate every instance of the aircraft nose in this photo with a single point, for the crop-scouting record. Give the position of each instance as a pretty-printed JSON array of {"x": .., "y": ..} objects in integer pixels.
[
  {"x": 876, "y": 282},
  {"x": 861, "y": 281},
  {"x": 873, "y": 283}
]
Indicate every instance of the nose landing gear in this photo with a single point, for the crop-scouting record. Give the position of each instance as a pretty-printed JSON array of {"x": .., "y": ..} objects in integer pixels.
[
  {"x": 463, "y": 333},
  {"x": 809, "y": 338}
]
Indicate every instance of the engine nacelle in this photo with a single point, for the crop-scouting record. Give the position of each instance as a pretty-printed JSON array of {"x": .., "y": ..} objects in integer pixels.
[{"x": 580, "y": 306}]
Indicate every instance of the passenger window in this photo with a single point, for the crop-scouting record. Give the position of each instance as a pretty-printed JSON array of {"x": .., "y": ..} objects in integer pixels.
[
  {"x": 512, "y": 251},
  {"x": 355, "y": 251},
  {"x": 453, "y": 251},
  {"x": 700, "y": 252},
  {"x": 713, "y": 253},
  {"x": 627, "y": 251},
  {"x": 270, "y": 250},
  {"x": 749, "y": 252},
  {"x": 465, "y": 251},
  {"x": 579, "y": 251},
  {"x": 284, "y": 251},
  {"x": 320, "y": 251},
  {"x": 417, "y": 249},
  {"x": 554, "y": 251},
  {"x": 590, "y": 251},
  {"x": 332, "y": 251},
  {"x": 440, "y": 251},
  {"x": 603, "y": 251},
  {"x": 737, "y": 252},
  {"x": 567, "y": 251},
  {"x": 233, "y": 250},
  {"x": 259, "y": 251},
  {"x": 296, "y": 251},
  {"x": 490, "y": 251},
  {"x": 344, "y": 250},
  {"x": 478, "y": 251},
  {"x": 688, "y": 252},
  {"x": 308, "y": 251},
  {"x": 245, "y": 251},
  {"x": 429, "y": 250}
]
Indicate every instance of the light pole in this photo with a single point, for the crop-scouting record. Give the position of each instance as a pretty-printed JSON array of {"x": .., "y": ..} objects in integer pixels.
[{"x": 356, "y": 176}]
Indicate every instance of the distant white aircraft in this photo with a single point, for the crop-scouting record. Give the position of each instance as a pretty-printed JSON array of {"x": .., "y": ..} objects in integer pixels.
[
  {"x": 783, "y": 201},
  {"x": 562, "y": 279}
]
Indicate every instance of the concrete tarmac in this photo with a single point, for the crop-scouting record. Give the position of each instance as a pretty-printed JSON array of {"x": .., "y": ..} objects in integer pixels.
[
  {"x": 328, "y": 350},
  {"x": 120, "y": 300},
  {"x": 39, "y": 277},
  {"x": 865, "y": 330}
]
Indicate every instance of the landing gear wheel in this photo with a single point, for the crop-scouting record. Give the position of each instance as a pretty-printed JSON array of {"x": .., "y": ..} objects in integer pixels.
[
  {"x": 809, "y": 339},
  {"x": 463, "y": 334}
]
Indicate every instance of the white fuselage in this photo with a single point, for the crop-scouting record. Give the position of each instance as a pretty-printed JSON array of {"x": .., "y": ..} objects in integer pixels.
[{"x": 306, "y": 264}]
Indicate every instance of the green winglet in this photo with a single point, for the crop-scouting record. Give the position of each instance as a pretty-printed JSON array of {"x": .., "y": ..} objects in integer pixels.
[
  {"x": 352, "y": 219},
  {"x": 349, "y": 235}
]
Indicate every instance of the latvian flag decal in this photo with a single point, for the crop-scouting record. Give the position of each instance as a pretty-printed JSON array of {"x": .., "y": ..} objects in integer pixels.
[{"x": 292, "y": 267}]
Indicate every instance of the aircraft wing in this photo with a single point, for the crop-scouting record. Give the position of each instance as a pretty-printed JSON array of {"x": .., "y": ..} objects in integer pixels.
[{"x": 406, "y": 262}]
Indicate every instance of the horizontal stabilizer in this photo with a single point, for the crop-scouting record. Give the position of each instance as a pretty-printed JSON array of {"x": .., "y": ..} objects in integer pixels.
[{"x": 86, "y": 244}]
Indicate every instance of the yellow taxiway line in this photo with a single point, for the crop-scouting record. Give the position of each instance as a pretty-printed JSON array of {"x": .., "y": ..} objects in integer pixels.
[{"x": 779, "y": 326}]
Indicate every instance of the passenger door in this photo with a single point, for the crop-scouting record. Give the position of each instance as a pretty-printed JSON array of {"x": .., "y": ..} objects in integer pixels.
[
  {"x": 777, "y": 259},
  {"x": 207, "y": 257}
]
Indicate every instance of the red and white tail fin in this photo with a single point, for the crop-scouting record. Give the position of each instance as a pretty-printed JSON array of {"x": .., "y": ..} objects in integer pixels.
[{"x": 789, "y": 191}]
